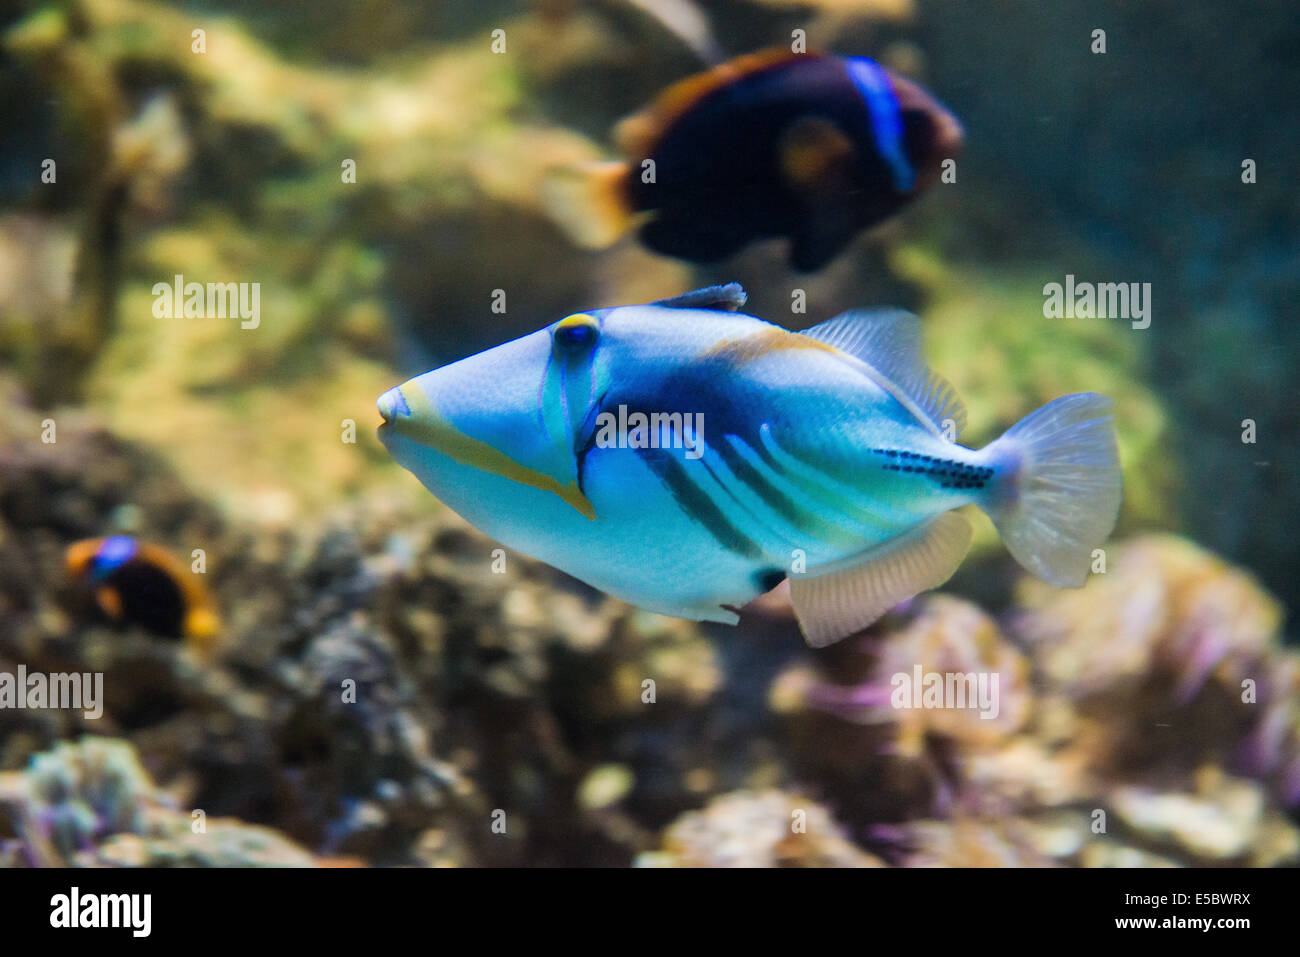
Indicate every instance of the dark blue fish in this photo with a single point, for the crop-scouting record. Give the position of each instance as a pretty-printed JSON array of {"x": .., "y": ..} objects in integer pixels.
[{"x": 813, "y": 147}]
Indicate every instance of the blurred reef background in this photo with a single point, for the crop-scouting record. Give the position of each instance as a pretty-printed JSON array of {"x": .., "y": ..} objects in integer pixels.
[{"x": 523, "y": 692}]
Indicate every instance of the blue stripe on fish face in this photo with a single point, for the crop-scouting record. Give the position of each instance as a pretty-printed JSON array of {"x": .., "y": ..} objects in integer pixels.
[{"x": 886, "y": 118}]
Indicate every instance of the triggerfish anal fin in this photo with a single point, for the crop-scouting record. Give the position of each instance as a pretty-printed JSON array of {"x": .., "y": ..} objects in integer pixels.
[
  {"x": 728, "y": 297},
  {"x": 638, "y": 134},
  {"x": 889, "y": 342},
  {"x": 838, "y": 604}
]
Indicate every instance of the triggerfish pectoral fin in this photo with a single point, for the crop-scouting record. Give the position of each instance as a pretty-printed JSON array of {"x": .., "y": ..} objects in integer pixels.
[{"x": 833, "y": 606}]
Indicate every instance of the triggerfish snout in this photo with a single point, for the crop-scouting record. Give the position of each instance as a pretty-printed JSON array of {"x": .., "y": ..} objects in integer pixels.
[
  {"x": 811, "y": 146},
  {"x": 685, "y": 457}
]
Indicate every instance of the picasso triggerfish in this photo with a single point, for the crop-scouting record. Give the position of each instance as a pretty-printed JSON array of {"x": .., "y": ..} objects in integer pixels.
[
  {"x": 809, "y": 146},
  {"x": 137, "y": 583},
  {"x": 685, "y": 457}
]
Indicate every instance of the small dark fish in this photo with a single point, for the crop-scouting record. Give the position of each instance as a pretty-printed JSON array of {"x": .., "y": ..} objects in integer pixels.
[
  {"x": 135, "y": 583},
  {"x": 813, "y": 147}
]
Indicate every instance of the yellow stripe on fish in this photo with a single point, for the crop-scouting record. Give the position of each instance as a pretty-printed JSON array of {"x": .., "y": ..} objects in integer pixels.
[{"x": 426, "y": 425}]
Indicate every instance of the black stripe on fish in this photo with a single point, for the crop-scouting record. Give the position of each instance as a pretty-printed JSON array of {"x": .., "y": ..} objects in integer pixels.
[
  {"x": 780, "y": 503},
  {"x": 707, "y": 387},
  {"x": 730, "y": 492},
  {"x": 946, "y": 472},
  {"x": 695, "y": 502}
]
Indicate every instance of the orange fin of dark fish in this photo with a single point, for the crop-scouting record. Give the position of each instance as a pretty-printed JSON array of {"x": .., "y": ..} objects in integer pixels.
[
  {"x": 202, "y": 628},
  {"x": 841, "y": 603},
  {"x": 812, "y": 150},
  {"x": 110, "y": 602},
  {"x": 816, "y": 159},
  {"x": 638, "y": 134},
  {"x": 80, "y": 554},
  {"x": 589, "y": 203}
]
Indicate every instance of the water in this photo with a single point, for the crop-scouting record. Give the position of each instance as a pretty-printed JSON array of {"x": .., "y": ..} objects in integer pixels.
[{"x": 371, "y": 180}]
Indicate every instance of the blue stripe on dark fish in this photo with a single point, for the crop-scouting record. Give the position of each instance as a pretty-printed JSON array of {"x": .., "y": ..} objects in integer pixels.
[
  {"x": 886, "y": 118},
  {"x": 115, "y": 552}
]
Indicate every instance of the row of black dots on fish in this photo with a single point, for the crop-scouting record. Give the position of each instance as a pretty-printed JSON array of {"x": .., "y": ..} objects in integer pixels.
[{"x": 950, "y": 474}]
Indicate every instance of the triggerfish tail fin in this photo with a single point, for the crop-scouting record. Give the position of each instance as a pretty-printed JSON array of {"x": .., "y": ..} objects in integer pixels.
[
  {"x": 590, "y": 203},
  {"x": 835, "y": 605},
  {"x": 1060, "y": 492}
]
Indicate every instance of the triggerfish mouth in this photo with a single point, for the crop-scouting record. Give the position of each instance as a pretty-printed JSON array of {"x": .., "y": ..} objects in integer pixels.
[{"x": 685, "y": 458}]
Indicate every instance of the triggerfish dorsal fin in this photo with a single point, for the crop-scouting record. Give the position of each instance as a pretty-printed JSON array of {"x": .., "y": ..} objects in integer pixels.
[
  {"x": 638, "y": 134},
  {"x": 841, "y": 603},
  {"x": 728, "y": 297},
  {"x": 889, "y": 341}
]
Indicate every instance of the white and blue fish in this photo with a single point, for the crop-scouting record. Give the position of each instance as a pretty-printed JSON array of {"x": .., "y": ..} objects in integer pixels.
[{"x": 685, "y": 458}]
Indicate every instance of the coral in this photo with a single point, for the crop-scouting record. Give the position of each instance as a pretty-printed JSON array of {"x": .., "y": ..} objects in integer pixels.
[
  {"x": 170, "y": 840},
  {"x": 92, "y": 803},
  {"x": 1171, "y": 657},
  {"x": 966, "y": 842},
  {"x": 1161, "y": 604},
  {"x": 758, "y": 829},
  {"x": 78, "y": 794}
]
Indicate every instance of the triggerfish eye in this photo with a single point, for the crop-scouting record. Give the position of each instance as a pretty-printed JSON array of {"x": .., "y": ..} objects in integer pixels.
[{"x": 576, "y": 333}]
